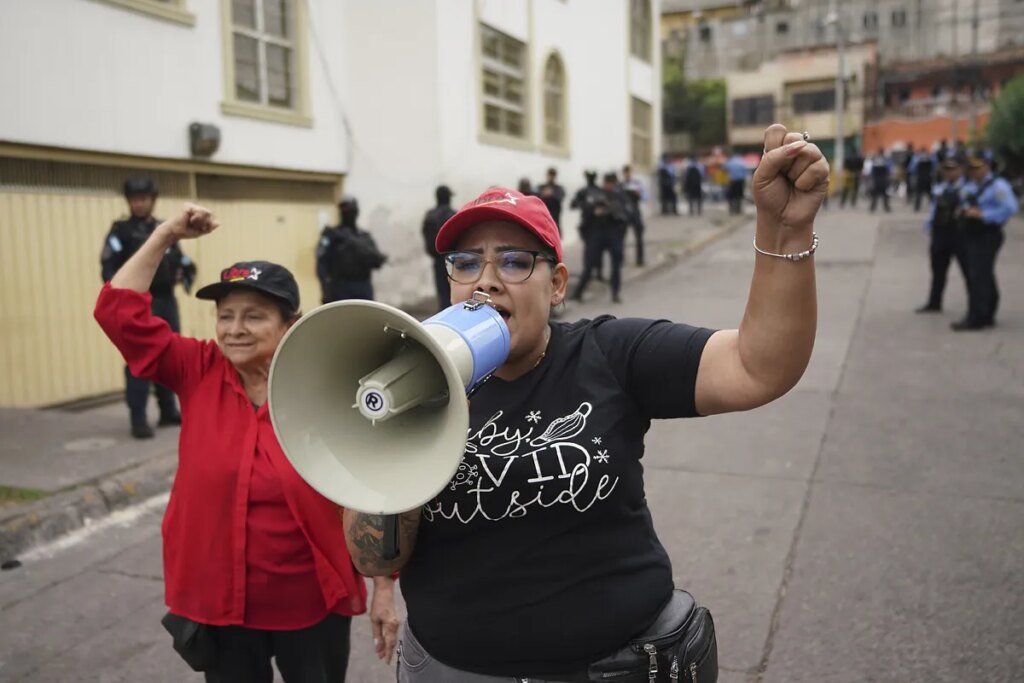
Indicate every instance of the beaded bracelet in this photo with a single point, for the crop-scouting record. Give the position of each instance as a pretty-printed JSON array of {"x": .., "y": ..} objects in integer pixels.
[{"x": 792, "y": 257}]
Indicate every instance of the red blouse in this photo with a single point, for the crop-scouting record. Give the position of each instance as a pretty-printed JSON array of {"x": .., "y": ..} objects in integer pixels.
[{"x": 246, "y": 540}]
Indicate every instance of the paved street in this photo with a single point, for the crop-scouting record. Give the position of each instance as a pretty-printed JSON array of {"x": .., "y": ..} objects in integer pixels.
[{"x": 867, "y": 527}]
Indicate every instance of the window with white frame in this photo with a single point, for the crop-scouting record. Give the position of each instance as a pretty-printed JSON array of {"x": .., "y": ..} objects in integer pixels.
[
  {"x": 504, "y": 83},
  {"x": 640, "y": 29},
  {"x": 170, "y": 10},
  {"x": 554, "y": 102},
  {"x": 263, "y": 42},
  {"x": 642, "y": 126}
]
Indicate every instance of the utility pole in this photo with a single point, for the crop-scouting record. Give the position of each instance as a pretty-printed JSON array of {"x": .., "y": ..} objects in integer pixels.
[
  {"x": 973, "y": 116},
  {"x": 840, "y": 142},
  {"x": 956, "y": 72}
]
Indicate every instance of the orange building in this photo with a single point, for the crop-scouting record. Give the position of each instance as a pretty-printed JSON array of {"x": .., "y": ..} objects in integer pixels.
[{"x": 922, "y": 103}]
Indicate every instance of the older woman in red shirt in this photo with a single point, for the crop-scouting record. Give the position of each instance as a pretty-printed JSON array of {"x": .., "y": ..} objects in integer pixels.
[{"x": 250, "y": 550}]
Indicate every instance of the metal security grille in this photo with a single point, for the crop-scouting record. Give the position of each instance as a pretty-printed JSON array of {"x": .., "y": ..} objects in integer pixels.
[
  {"x": 35, "y": 175},
  {"x": 220, "y": 187}
]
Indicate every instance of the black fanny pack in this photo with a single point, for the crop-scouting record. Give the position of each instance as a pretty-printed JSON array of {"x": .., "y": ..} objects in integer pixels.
[
  {"x": 195, "y": 642},
  {"x": 679, "y": 646}
]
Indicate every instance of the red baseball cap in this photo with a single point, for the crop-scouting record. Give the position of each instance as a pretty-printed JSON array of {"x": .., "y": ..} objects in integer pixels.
[{"x": 502, "y": 204}]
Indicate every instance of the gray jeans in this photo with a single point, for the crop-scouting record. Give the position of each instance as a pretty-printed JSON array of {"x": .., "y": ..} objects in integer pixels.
[{"x": 415, "y": 665}]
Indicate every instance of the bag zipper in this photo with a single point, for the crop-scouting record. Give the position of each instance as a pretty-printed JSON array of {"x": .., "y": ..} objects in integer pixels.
[{"x": 652, "y": 664}]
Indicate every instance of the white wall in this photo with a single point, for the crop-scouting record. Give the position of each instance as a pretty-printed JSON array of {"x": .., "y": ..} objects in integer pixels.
[
  {"x": 390, "y": 58},
  {"x": 592, "y": 39},
  {"x": 88, "y": 75}
]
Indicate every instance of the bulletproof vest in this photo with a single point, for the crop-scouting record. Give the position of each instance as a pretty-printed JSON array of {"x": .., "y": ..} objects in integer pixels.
[
  {"x": 134, "y": 233},
  {"x": 592, "y": 196},
  {"x": 971, "y": 200},
  {"x": 354, "y": 254},
  {"x": 946, "y": 205},
  {"x": 692, "y": 179}
]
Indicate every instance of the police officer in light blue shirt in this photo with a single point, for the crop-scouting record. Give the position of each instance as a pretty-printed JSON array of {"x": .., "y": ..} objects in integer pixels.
[
  {"x": 989, "y": 203},
  {"x": 737, "y": 171},
  {"x": 946, "y": 238}
]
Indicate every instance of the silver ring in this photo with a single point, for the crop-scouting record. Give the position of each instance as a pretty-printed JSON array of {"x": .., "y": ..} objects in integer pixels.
[{"x": 807, "y": 136}]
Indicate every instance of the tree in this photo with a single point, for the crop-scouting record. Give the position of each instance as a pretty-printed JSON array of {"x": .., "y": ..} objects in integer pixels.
[
  {"x": 694, "y": 107},
  {"x": 1005, "y": 133}
]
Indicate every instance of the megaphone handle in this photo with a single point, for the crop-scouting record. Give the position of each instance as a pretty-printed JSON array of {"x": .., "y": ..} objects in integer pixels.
[{"x": 391, "y": 548}]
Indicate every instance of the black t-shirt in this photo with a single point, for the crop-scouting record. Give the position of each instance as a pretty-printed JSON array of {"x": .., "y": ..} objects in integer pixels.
[{"x": 540, "y": 556}]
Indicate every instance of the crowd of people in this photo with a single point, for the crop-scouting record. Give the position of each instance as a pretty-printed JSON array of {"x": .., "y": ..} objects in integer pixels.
[
  {"x": 903, "y": 170},
  {"x": 721, "y": 175}
]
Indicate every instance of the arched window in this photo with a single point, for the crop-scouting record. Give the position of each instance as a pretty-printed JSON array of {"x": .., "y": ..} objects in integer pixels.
[
  {"x": 554, "y": 102},
  {"x": 640, "y": 29}
]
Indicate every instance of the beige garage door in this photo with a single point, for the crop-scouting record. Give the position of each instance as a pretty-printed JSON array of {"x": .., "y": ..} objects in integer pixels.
[{"x": 53, "y": 219}]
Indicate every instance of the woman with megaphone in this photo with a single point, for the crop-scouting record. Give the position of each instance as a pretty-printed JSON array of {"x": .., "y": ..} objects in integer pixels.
[
  {"x": 540, "y": 560},
  {"x": 255, "y": 564}
]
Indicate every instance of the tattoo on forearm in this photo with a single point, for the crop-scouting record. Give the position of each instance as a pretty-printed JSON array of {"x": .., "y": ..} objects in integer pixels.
[
  {"x": 367, "y": 533},
  {"x": 366, "y": 537}
]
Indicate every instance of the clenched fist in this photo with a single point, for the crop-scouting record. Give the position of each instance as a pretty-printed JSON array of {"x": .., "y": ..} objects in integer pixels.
[
  {"x": 194, "y": 221},
  {"x": 791, "y": 182}
]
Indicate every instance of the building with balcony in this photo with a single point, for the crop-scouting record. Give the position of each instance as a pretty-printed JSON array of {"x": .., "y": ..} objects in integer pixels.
[
  {"x": 798, "y": 90},
  {"x": 717, "y": 38},
  {"x": 920, "y": 103}
]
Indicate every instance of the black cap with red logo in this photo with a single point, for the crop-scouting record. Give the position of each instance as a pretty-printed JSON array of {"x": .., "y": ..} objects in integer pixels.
[{"x": 261, "y": 276}]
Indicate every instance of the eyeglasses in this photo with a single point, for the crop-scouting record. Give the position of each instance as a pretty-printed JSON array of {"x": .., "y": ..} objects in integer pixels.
[{"x": 513, "y": 266}]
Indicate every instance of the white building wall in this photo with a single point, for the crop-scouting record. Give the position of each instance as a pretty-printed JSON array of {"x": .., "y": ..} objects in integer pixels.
[
  {"x": 390, "y": 100},
  {"x": 593, "y": 43},
  {"x": 87, "y": 75}
]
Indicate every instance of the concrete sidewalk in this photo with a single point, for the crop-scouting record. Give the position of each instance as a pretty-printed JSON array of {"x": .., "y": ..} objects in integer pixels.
[{"x": 60, "y": 468}]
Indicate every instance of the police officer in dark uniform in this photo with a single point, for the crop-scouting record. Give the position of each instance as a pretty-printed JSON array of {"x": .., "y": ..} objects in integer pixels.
[
  {"x": 634, "y": 192},
  {"x": 346, "y": 257},
  {"x": 881, "y": 177},
  {"x": 610, "y": 218},
  {"x": 432, "y": 223},
  {"x": 123, "y": 240},
  {"x": 553, "y": 194},
  {"x": 586, "y": 199},
  {"x": 946, "y": 240},
  {"x": 924, "y": 171},
  {"x": 989, "y": 202}
]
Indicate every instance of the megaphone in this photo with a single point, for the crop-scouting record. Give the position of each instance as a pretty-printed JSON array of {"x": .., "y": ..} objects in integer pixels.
[{"x": 369, "y": 404}]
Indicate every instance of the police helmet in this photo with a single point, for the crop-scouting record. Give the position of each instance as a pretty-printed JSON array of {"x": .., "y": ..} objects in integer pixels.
[{"x": 140, "y": 186}]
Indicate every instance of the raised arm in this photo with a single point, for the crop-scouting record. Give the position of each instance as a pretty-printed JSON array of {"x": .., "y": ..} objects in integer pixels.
[
  {"x": 137, "y": 273},
  {"x": 364, "y": 537},
  {"x": 763, "y": 359}
]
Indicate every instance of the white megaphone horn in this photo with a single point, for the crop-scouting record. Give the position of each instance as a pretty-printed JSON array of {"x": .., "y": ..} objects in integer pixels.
[{"x": 369, "y": 404}]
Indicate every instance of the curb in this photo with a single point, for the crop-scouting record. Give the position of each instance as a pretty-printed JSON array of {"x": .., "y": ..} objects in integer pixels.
[{"x": 27, "y": 526}]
